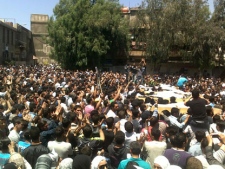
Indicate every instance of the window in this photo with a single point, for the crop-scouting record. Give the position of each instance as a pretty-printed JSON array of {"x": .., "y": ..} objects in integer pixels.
[
  {"x": 3, "y": 35},
  {"x": 12, "y": 37},
  {"x": 7, "y": 36}
]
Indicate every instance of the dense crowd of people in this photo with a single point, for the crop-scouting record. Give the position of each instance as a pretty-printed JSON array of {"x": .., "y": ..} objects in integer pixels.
[{"x": 54, "y": 118}]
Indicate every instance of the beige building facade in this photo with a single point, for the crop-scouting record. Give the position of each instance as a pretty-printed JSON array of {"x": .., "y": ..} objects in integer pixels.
[
  {"x": 15, "y": 44},
  {"x": 39, "y": 24}
]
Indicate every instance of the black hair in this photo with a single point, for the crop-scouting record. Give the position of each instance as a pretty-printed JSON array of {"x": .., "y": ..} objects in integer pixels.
[
  {"x": 4, "y": 143},
  {"x": 195, "y": 93},
  {"x": 156, "y": 133},
  {"x": 87, "y": 130},
  {"x": 173, "y": 140},
  {"x": 112, "y": 104},
  {"x": 199, "y": 135},
  {"x": 166, "y": 113},
  {"x": 135, "y": 113},
  {"x": 216, "y": 118},
  {"x": 86, "y": 150},
  {"x": 129, "y": 127},
  {"x": 59, "y": 131},
  {"x": 121, "y": 114},
  {"x": 180, "y": 140},
  {"x": 72, "y": 116},
  {"x": 153, "y": 121},
  {"x": 172, "y": 99},
  {"x": 25, "y": 124},
  {"x": 110, "y": 122},
  {"x": 135, "y": 147},
  {"x": 221, "y": 125},
  {"x": 204, "y": 143},
  {"x": 175, "y": 111},
  {"x": 46, "y": 112},
  {"x": 95, "y": 118},
  {"x": 32, "y": 106},
  {"x": 26, "y": 134},
  {"x": 66, "y": 122},
  {"x": 34, "y": 133},
  {"x": 209, "y": 110},
  {"x": 16, "y": 120},
  {"x": 171, "y": 130},
  {"x": 63, "y": 99},
  {"x": 76, "y": 107},
  {"x": 119, "y": 137}
]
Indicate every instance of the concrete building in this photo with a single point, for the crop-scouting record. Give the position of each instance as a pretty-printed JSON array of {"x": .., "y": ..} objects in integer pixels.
[
  {"x": 7, "y": 41},
  {"x": 39, "y": 23},
  {"x": 15, "y": 44}
]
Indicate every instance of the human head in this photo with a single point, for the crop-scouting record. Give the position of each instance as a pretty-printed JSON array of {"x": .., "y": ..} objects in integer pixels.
[
  {"x": 172, "y": 99},
  {"x": 216, "y": 118},
  {"x": 220, "y": 126},
  {"x": 119, "y": 138},
  {"x": 9, "y": 166},
  {"x": 66, "y": 163},
  {"x": 114, "y": 106},
  {"x": 153, "y": 121},
  {"x": 110, "y": 122},
  {"x": 175, "y": 112},
  {"x": 155, "y": 134},
  {"x": 18, "y": 160},
  {"x": 99, "y": 162},
  {"x": 195, "y": 93},
  {"x": 135, "y": 148},
  {"x": 161, "y": 161},
  {"x": 199, "y": 135},
  {"x": 121, "y": 114},
  {"x": 95, "y": 118},
  {"x": 129, "y": 127},
  {"x": 59, "y": 132},
  {"x": 87, "y": 131},
  {"x": 42, "y": 125},
  {"x": 17, "y": 122},
  {"x": 180, "y": 140},
  {"x": 34, "y": 134},
  {"x": 77, "y": 109},
  {"x": 193, "y": 163},
  {"x": 3, "y": 122},
  {"x": 4, "y": 143}
]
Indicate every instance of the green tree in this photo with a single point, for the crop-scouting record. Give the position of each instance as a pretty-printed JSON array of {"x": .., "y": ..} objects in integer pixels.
[
  {"x": 83, "y": 33},
  {"x": 176, "y": 28},
  {"x": 218, "y": 32}
]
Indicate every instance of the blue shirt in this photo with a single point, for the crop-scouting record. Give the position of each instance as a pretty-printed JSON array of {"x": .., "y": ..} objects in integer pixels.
[
  {"x": 139, "y": 161},
  {"x": 22, "y": 145},
  {"x": 4, "y": 157},
  {"x": 181, "y": 81}
]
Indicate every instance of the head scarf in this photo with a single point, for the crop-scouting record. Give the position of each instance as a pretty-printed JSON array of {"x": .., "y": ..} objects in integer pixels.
[
  {"x": 95, "y": 162},
  {"x": 215, "y": 167},
  {"x": 173, "y": 167},
  {"x": 162, "y": 161},
  {"x": 81, "y": 162},
  {"x": 66, "y": 163}
]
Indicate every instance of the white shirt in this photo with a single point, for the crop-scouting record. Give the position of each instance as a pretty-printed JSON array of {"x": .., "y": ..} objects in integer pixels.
[
  {"x": 111, "y": 114},
  {"x": 63, "y": 149},
  {"x": 130, "y": 137},
  {"x": 14, "y": 136}
]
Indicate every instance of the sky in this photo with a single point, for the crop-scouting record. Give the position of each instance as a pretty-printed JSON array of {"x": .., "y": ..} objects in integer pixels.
[{"x": 19, "y": 11}]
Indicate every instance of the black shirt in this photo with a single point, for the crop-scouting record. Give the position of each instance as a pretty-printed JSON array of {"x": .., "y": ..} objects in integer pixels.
[
  {"x": 32, "y": 153},
  {"x": 198, "y": 108},
  {"x": 109, "y": 136}
]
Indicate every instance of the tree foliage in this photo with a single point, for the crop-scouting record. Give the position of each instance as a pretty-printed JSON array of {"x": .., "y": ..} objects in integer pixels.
[
  {"x": 84, "y": 33},
  {"x": 183, "y": 28}
]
